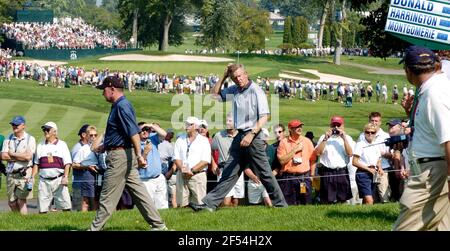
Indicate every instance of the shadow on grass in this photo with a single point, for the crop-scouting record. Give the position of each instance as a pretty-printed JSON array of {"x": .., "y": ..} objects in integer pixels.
[
  {"x": 66, "y": 227},
  {"x": 380, "y": 214}
]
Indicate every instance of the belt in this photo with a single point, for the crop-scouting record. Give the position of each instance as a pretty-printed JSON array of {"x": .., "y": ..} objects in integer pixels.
[
  {"x": 151, "y": 178},
  {"x": 426, "y": 160},
  {"x": 113, "y": 148},
  {"x": 52, "y": 178},
  {"x": 20, "y": 170}
]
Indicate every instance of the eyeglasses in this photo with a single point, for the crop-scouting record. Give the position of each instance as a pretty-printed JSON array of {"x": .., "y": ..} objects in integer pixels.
[
  {"x": 370, "y": 132},
  {"x": 92, "y": 135}
]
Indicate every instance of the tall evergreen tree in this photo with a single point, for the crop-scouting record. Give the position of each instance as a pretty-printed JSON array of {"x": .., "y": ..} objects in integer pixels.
[{"x": 287, "y": 35}]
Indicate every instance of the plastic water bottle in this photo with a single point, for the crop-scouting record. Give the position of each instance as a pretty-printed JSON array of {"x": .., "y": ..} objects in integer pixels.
[{"x": 29, "y": 185}]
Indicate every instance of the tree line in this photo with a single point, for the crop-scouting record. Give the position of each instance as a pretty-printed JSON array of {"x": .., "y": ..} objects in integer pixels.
[{"x": 231, "y": 24}]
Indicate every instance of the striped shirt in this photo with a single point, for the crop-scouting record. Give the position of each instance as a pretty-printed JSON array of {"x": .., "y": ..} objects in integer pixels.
[{"x": 51, "y": 158}]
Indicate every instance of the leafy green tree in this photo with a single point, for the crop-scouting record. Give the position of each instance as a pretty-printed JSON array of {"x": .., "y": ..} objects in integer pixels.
[
  {"x": 218, "y": 25},
  {"x": 326, "y": 42},
  {"x": 101, "y": 18},
  {"x": 8, "y": 9},
  {"x": 252, "y": 27},
  {"x": 381, "y": 44},
  {"x": 287, "y": 35},
  {"x": 300, "y": 31},
  {"x": 61, "y": 8}
]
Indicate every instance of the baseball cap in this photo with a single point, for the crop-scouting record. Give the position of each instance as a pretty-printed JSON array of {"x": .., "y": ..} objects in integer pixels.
[
  {"x": 203, "y": 122},
  {"x": 50, "y": 125},
  {"x": 394, "y": 122},
  {"x": 415, "y": 55},
  {"x": 192, "y": 120},
  {"x": 337, "y": 120},
  {"x": 17, "y": 120},
  {"x": 83, "y": 129},
  {"x": 295, "y": 123},
  {"x": 111, "y": 81}
]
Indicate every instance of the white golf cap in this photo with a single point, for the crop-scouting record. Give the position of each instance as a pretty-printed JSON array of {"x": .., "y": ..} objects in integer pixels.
[
  {"x": 50, "y": 124},
  {"x": 203, "y": 122},
  {"x": 192, "y": 120}
]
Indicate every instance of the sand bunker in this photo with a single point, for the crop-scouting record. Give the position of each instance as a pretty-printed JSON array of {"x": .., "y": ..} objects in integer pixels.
[{"x": 323, "y": 77}]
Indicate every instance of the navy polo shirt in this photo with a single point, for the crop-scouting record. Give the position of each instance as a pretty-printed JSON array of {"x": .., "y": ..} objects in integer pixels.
[{"x": 121, "y": 125}]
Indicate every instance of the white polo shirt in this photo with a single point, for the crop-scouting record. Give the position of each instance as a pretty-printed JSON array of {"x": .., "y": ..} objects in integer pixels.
[
  {"x": 367, "y": 155},
  {"x": 85, "y": 156},
  {"x": 14, "y": 144},
  {"x": 199, "y": 150},
  {"x": 380, "y": 137},
  {"x": 334, "y": 155},
  {"x": 432, "y": 118}
]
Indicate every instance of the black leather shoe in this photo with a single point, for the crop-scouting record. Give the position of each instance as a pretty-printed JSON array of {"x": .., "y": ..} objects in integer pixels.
[{"x": 197, "y": 207}]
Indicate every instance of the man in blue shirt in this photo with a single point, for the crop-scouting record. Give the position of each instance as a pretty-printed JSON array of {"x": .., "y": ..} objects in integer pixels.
[
  {"x": 151, "y": 174},
  {"x": 123, "y": 148},
  {"x": 250, "y": 111}
]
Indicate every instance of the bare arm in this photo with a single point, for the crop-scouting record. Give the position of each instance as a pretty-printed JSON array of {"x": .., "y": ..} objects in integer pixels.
[
  {"x": 284, "y": 159},
  {"x": 218, "y": 85},
  {"x": 137, "y": 150}
]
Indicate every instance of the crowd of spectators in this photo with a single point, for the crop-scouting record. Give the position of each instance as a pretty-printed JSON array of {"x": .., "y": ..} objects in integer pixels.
[
  {"x": 348, "y": 171},
  {"x": 63, "y": 33}
]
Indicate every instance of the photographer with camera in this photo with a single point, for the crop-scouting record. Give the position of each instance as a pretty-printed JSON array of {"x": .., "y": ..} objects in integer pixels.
[
  {"x": 18, "y": 150},
  {"x": 298, "y": 164},
  {"x": 151, "y": 174},
  {"x": 335, "y": 148},
  {"x": 425, "y": 203}
]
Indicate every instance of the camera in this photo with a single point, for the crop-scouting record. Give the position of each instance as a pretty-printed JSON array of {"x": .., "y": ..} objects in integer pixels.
[
  {"x": 335, "y": 131},
  {"x": 297, "y": 160}
]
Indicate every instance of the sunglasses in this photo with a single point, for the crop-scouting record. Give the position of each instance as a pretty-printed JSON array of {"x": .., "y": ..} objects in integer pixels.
[
  {"x": 92, "y": 135},
  {"x": 14, "y": 125},
  {"x": 46, "y": 129},
  {"x": 370, "y": 132}
]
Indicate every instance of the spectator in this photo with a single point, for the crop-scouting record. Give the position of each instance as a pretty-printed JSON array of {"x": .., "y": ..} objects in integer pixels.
[
  {"x": 367, "y": 159},
  {"x": 256, "y": 191},
  {"x": 222, "y": 143},
  {"x": 151, "y": 175},
  {"x": 18, "y": 150},
  {"x": 192, "y": 154},
  {"x": 335, "y": 148},
  {"x": 78, "y": 171},
  {"x": 388, "y": 180},
  {"x": 298, "y": 164},
  {"x": 52, "y": 160},
  {"x": 168, "y": 167},
  {"x": 86, "y": 160}
]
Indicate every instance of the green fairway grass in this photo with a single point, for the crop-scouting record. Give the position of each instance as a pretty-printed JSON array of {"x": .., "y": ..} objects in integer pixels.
[
  {"x": 71, "y": 107},
  {"x": 378, "y": 217}
]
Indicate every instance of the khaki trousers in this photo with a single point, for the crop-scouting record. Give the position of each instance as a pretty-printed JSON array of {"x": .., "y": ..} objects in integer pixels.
[
  {"x": 424, "y": 204},
  {"x": 122, "y": 171}
]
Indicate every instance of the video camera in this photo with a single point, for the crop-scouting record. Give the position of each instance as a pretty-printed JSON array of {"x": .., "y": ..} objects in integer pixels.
[{"x": 335, "y": 131}]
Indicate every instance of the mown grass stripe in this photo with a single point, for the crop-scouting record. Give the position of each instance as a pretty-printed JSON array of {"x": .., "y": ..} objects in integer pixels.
[
  {"x": 70, "y": 121},
  {"x": 18, "y": 108},
  {"x": 5, "y": 106}
]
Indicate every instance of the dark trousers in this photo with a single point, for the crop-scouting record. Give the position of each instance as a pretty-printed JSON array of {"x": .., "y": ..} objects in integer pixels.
[
  {"x": 254, "y": 156},
  {"x": 335, "y": 185},
  {"x": 290, "y": 185}
]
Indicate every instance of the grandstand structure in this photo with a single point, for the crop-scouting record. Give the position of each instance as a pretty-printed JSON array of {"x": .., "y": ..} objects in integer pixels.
[{"x": 37, "y": 33}]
